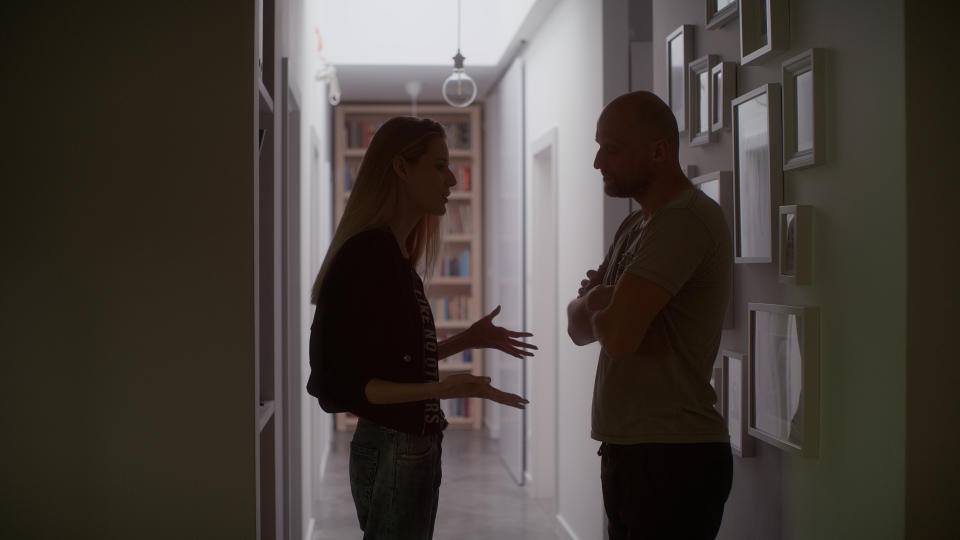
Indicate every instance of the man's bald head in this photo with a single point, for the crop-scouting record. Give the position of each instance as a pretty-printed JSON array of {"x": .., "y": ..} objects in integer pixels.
[{"x": 646, "y": 115}]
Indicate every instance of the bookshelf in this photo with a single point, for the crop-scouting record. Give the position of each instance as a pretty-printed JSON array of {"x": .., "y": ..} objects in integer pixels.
[{"x": 455, "y": 291}]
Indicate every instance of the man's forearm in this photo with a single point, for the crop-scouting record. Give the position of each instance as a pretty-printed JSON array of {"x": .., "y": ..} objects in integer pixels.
[{"x": 579, "y": 325}]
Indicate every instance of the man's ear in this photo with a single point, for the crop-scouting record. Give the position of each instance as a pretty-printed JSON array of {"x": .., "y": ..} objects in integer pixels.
[
  {"x": 400, "y": 166},
  {"x": 661, "y": 150}
]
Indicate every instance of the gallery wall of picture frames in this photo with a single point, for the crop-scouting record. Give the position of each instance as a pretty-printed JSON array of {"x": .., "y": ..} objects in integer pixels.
[
  {"x": 718, "y": 185},
  {"x": 701, "y": 103},
  {"x": 757, "y": 172},
  {"x": 769, "y": 392},
  {"x": 784, "y": 377}
]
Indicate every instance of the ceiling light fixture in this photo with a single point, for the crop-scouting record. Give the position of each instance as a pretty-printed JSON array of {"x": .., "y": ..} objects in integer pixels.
[{"x": 459, "y": 90}]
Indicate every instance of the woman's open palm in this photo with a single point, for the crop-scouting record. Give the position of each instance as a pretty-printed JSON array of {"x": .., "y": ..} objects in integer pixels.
[
  {"x": 465, "y": 385},
  {"x": 483, "y": 334}
]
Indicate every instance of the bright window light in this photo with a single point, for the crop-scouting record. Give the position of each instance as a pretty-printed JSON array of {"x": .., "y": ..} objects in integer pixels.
[{"x": 417, "y": 32}]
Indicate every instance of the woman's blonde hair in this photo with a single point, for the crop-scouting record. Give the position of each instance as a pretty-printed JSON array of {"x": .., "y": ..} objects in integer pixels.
[{"x": 376, "y": 195}]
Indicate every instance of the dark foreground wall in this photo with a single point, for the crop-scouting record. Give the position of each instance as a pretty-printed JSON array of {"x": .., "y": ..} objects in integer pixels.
[{"x": 126, "y": 220}]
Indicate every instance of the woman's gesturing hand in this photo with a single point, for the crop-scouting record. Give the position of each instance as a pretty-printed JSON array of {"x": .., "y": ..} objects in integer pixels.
[
  {"x": 465, "y": 385},
  {"x": 483, "y": 334}
]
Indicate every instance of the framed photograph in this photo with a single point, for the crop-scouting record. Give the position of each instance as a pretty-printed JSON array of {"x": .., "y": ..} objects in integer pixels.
[
  {"x": 795, "y": 244},
  {"x": 718, "y": 185},
  {"x": 758, "y": 184},
  {"x": 764, "y": 28},
  {"x": 679, "y": 49},
  {"x": 719, "y": 383},
  {"x": 699, "y": 111},
  {"x": 784, "y": 371},
  {"x": 723, "y": 88},
  {"x": 735, "y": 372},
  {"x": 803, "y": 109},
  {"x": 720, "y": 12}
]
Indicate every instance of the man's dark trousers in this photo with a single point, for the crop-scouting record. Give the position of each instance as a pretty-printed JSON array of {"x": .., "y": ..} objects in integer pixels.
[{"x": 665, "y": 491}]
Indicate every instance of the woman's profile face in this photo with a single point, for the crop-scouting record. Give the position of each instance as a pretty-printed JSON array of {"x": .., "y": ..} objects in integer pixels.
[{"x": 430, "y": 179}]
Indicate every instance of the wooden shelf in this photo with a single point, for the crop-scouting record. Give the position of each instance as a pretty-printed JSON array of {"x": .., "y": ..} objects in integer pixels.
[
  {"x": 458, "y": 238},
  {"x": 351, "y": 120},
  {"x": 455, "y": 366},
  {"x": 359, "y": 152},
  {"x": 452, "y": 324},
  {"x": 460, "y": 422},
  {"x": 348, "y": 423},
  {"x": 451, "y": 281}
]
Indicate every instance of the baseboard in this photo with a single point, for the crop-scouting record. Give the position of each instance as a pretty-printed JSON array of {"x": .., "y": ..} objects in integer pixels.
[
  {"x": 565, "y": 527},
  {"x": 310, "y": 529}
]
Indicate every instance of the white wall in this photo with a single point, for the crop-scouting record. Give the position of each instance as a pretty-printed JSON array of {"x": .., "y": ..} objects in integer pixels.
[
  {"x": 855, "y": 489},
  {"x": 564, "y": 90},
  {"x": 503, "y": 253},
  {"x": 316, "y": 225}
]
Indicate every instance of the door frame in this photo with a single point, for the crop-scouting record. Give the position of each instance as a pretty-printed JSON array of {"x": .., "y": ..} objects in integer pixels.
[{"x": 542, "y": 437}]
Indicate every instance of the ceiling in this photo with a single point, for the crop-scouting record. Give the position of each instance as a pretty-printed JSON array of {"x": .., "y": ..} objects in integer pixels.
[
  {"x": 386, "y": 84},
  {"x": 378, "y": 46}
]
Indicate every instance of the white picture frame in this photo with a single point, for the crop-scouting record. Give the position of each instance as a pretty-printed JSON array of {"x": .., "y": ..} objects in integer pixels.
[
  {"x": 720, "y": 12},
  {"x": 679, "y": 45},
  {"x": 735, "y": 386},
  {"x": 700, "y": 108},
  {"x": 803, "y": 109},
  {"x": 758, "y": 173},
  {"x": 723, "y": 86},
  {"x": 718, "y": 185},
  {"x": 795, "y": 230},
  {"x": 784, "y": 372},
  {"x": 764, "y": 28}
]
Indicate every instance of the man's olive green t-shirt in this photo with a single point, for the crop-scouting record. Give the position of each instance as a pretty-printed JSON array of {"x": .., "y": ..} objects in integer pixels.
[{"x": 661, "y": 393}]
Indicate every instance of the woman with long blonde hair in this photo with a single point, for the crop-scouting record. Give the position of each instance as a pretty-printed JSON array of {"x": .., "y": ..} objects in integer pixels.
[{"x": 373, "y": 343}]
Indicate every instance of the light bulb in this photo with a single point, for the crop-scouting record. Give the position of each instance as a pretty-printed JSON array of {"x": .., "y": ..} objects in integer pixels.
[{"x": 459, "y": 90}]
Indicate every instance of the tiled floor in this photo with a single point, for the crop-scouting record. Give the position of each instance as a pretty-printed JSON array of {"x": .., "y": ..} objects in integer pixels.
[{"x": 478, "y": 498}]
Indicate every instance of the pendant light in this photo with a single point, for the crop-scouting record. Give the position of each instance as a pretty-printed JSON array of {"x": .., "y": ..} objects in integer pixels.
[{"x": 459, "y": 90}]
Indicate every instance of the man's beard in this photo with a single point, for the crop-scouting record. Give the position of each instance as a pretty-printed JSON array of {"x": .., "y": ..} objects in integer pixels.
[{"x": 617, "y": 188}]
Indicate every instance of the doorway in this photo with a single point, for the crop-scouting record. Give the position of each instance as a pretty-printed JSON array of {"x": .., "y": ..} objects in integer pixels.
[{"x": 542, "y": 315}]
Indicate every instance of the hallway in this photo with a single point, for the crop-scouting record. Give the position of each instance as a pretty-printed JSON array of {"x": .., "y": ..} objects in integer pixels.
[{"x": 478, "y": 499}]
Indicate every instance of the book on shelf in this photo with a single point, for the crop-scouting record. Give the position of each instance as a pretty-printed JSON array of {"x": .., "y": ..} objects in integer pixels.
[
  {"x": 458, "y": 220},
  {"x": 455, "y": 407},
  {"x": 456, "y": 266},
  {"x": 458, "y": 135},
  {"x": 350, "y": 169},
  {"x": 451, "y": 307},
  {"x": 359, "y": 132},
  {"x": 462, "y": 173},
  {"x": 462, "y": 360}
]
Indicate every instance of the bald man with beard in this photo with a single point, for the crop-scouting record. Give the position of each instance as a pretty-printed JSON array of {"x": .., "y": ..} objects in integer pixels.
[{"x": 656, "y": 304}]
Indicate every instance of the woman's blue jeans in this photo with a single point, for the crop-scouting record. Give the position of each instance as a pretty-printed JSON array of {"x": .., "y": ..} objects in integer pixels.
[{"x": 395, "y": 481}]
